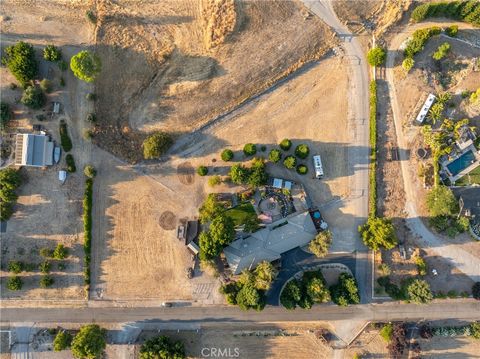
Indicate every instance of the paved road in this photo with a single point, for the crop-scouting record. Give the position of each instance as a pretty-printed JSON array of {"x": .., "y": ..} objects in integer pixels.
[
  {"x": 459, "y": 309},
  {"x": 461, "y": 259},
  {"x": 359, "y": 149}
]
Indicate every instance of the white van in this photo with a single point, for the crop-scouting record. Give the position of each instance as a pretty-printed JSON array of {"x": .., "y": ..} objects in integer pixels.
[{"x": 317, "y": 164}]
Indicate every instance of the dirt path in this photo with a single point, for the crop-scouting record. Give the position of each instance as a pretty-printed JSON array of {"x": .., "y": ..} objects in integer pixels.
[{"x": 463, "y": 260}]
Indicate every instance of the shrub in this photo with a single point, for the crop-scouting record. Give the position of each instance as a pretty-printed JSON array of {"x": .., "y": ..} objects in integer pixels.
[
  {"x": 345, "y": 292},
  {"x": 249, "y": 149},
  {"x": 376, "y": 56},
  {"x": 63, "y": 66},
  {"x": 20, "y": 60},
  {"x": 52, "y": 53},
  {"x": 439, "y": 223},
  {"x": 452, "y": 30},
  {"x": 46, "y": 85},
  {"x": 91, "y": 16},
  {"x": 162, "y": 347},
  {"x": 249, "y": 297},
  {"x": 421, "y": 266},
  {"x": 227, "y": 155},
  {"x": 91, "y": 117},
  {"x": 385, "y": 269},
  {"x": 45, "y": 267},
  {"x": 14, "y": 283},
  {"x": 89, "y": 171},
  {"x": 302, "y": 151},
  {"x": 239, "y": 174},
  {"x": 418, "y": 291},
  {"x": 290, "y": 162},
  {"x": 378, "y": 233},
  {"x": 286, "y": 144},
  {"x": 60, "y": 252},
  {"x": 275, "y": 155},
  {"x": 70, "y": 163},
  {"x": 302, "y": 169},
  {"x": 202, "y": 170},
  {"x": 264, "y": 275},
  {"x": 291, "y": 294},
  {"x": 210, "y": 209},
  {"x": 15, "y": 267},
  {"x": 86, "y": 66},
  {"x": 408, "y": 64},
  {"x": 46, "y": 281},
  {"x": 156, "y": 144},
  {"x": 258, "y": 175},
  {"x": 64, "y": 137},
  {"x": 476, "y": 290},
  {"x": 89, "y": 342},
  {"x": 33, "y": 97},
  {"x": 442, "y": 51},
  {"x": 387, "y": 332},
  {"x": 91, "y": 96},
  {"x": 62, "y": 341},
  {"x": 320, "y": 245},
  {"x": 46, "y": 252},
  {"x": 419, "y": 39},
  {"x": 5, "y": 114}
]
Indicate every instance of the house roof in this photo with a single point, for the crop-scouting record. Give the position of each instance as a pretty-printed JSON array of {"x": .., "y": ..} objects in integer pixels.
[
  {"x": 470, "y": 196},
  {"x": 33, "y": 150},
  {"x": 269, "y": 243}
]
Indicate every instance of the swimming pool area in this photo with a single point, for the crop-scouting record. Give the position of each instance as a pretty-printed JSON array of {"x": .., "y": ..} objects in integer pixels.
[{"x": 462, "y": 162}]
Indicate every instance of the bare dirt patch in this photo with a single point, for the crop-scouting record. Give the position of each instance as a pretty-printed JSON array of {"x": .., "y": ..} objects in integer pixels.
[
  {"x": 171, "y": 81},
  {"x": 186, "y": 173},
  {"x": 369, "y": 344},
  {"x": 258, "y": 344},
  {"x": 168, "y": 221},
  {"x": 449, "y": 347}
]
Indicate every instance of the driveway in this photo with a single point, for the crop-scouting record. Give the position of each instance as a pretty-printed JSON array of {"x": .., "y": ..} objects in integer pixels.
[{"x": 297, "y": 260}]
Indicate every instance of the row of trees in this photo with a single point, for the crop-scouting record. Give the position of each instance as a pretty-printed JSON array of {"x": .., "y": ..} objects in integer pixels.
[
  {"x": 89, "y": 342},
  {"x": 467, "y": 10},
  {"x": 248, "y": 292},
  {"x": 305, "y": 292},
  {"x": 10, "y": 180},
  {"x": 254, "y": 176}
]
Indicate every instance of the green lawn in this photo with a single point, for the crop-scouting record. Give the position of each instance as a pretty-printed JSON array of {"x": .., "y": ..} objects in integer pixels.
[
  {"x": 241, "y": 214},
  {"x": 469, "y": 179}
]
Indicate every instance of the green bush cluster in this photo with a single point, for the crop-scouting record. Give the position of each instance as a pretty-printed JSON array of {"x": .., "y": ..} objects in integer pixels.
[
  {"x": 87, "y": 229},
  {"x": 275, "y": 155},
  {"x": 467, "y": 11},
  {"x": 421, "y": 266},
  {"x": 46, "y": 281},
  {"x": 71, "y": 168},
  {"x": 302, "y": 169},
  {"x": 286, "y": 144},
  {"x": 9, "y": 182},
  {"x": 45, "y": 267},
  {"x": 378, "y": 232},
  {"x": 33, "y": 97},
  {"x": 442, "y": 51},
  {"x": 255, "y": 175},
  {"x": 419, "y": 39},
  {"x": 452, "y": 31},
  {"x": 90, "y": 342},
  {"x": 249, "y": 149},
  {"x": 345, "y": 292},
  {"x": 304, "y": 293},
  {"x": 302, "y": 151},
  {"x": 290, "y": 162},
  {"x": 156, "y": 144},
  {"x": 15, "y": 267},
  {"x": 412, "y": 290},
  {"x": 387, "y": 332},
  {"x": 202, "y": 170},
  {"x": 376, "y": 56},
  {"x": 86, "y": 65},
  {"x": 162, "y": 347},
  {"x": 14, "y": 283},
  {"x": 65, "y": 140},
  {"x": 227, "y": 155},
  {"x": 62, "y": 341},
  {"x": 20, "y": 60},
  {"x": 372, "y": 200},
  {"x": 52, "y": 53},
  {"x": 60, "y": 252},
  {"x": 89, "y": 171}
]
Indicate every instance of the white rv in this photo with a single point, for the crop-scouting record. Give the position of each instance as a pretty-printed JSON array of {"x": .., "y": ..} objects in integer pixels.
[{"x": 317, "y": 164}]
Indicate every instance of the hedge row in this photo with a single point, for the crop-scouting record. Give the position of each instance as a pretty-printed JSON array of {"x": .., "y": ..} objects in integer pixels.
[
  {"x": 372, "y": 201},
  {"x": 64, "y": 137},
  {"x": 419, "y": 39},
  {"x": 467, "y": 11},
  {"x": 87, "y": 227}
]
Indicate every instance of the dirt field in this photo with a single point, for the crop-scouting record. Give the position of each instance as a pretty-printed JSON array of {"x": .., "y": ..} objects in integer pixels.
[
  {"x": 448, "y": 347},
  {"x": 171, "y": 81},
  {"x": 268, "y": 343},
  {"x": 369, "y": 344}
]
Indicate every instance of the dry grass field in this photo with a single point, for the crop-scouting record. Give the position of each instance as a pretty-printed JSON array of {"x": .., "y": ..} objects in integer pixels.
[
  {"x": 448, "y": 347},
  {"x": 171, "y": 79}
]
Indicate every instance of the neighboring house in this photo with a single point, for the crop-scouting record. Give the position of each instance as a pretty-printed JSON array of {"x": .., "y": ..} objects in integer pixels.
[
  {"x": 33, "y": 150},
  {"x": 269, "y": 243}
]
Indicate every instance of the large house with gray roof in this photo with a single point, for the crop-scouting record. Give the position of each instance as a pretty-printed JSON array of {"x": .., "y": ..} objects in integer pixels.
[
  {"x": 269, "y": 243},
  {"x": 33, "y": 150}
]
